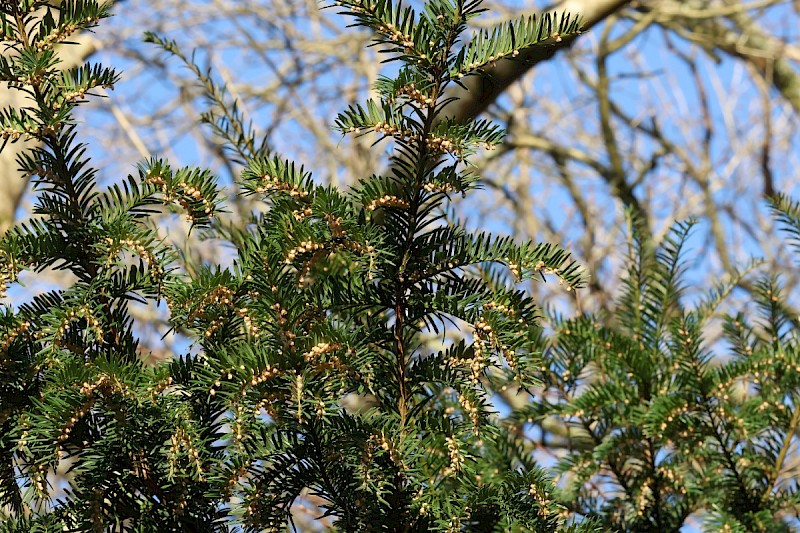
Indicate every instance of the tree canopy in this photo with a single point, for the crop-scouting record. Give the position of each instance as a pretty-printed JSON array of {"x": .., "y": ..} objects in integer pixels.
[{"x": 360, "y": 357}]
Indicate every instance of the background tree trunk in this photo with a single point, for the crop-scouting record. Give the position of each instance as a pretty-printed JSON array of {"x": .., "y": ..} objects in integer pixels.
[{"x": 12, "y": 183}]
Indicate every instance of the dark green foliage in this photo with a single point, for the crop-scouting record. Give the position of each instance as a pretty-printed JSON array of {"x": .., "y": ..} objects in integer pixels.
[
  {"x": 322, "y": 304},
  {"x": 661, "y": 421}
]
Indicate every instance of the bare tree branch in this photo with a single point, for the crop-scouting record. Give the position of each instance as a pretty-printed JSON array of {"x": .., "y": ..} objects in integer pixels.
[
  {"x": 731, "y": 30},
  {"x": 481, "y": 91}
]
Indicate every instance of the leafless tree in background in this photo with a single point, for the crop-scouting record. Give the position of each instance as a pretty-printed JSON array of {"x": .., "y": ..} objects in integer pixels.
[{"x": 669, "y": 108}]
